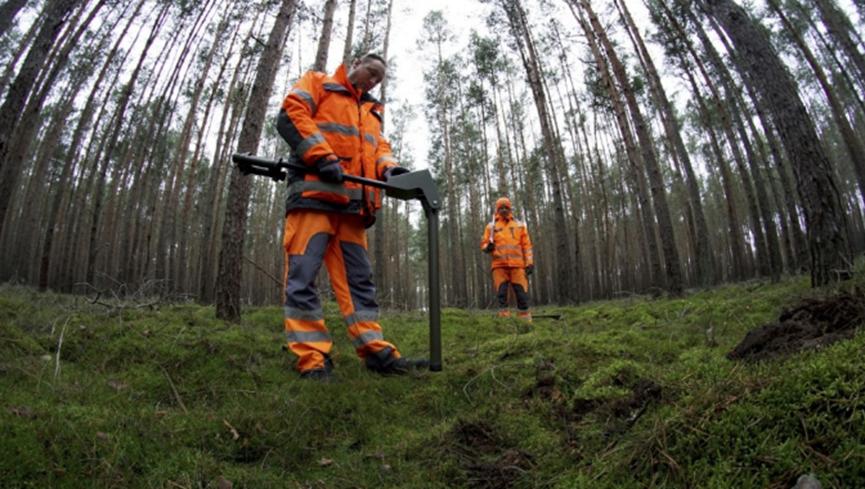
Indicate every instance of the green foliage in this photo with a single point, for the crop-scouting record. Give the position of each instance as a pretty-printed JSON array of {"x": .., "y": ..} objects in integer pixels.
[{"x": 628, "y": 393}]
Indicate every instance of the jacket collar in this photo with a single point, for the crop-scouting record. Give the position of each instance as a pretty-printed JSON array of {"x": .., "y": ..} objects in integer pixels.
[
  {"x": 340, "y": 78},
  {"x": 510, "y": 217}
]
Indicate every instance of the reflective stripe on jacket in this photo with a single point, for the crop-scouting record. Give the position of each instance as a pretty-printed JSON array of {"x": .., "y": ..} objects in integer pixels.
[
  {"x": 326, "y": 118},
  {"x": 513, "y": 247}
]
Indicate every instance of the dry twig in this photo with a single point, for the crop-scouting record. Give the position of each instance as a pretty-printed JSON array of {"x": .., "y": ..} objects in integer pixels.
[{"x": 174, "y": 390}]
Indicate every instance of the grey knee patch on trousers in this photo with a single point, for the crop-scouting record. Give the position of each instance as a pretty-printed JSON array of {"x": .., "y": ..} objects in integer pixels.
[
  {"x": 358, "y": 271},
  {"x": 522, "y": 297},
  {"x": 300, "y": 289},
  {"x": 502, "y": 294}
]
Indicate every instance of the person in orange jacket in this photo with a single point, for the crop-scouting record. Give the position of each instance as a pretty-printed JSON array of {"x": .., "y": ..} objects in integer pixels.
[
  {"x": 508, "y": 241},
  {"x": 334, "y": 127}
]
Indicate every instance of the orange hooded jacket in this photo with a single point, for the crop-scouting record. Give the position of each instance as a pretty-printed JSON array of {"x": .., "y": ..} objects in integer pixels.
[
  {"x": 328, "y": 118},
  {"x": 512, "y": 245}
]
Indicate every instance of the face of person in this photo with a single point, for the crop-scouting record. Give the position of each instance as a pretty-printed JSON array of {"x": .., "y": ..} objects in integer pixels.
[
  {"x": 504, "y": 211},
  {"x": 365, "y": 75}
]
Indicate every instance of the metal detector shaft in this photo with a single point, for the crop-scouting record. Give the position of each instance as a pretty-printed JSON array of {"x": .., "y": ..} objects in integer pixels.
[
  {"x": 417, "y": 185},
  {"x": 435, "y": 331}
]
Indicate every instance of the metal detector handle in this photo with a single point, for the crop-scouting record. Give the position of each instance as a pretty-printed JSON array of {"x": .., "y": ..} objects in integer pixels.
[{"x": 277, "y": 170}]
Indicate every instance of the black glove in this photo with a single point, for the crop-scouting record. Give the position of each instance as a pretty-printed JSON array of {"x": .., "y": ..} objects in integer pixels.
[
  {"x": 395, "y": 171},
  {"x": 329, "y": 170},
  {"x": 530, "y": 269},
  {"x": 490, "y": 247}
]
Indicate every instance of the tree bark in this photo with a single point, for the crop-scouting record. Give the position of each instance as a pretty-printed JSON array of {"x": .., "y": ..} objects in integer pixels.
[
  {"x": 349, "y": 39},
  {"x": 854, "y": 144},
  {"x": 703, "y": 254},
  {"x": 842, "y": 31},
  {"x": 380, "y": 242},
  {"x": 824, "y": 214},
  {"x": 672, "y": 269},
  {"x": 555, "y": 167},
  {"x": 324, "y": 41},
  {"x": 53, "y": 18},
  {"x": 231, "y": 257}
]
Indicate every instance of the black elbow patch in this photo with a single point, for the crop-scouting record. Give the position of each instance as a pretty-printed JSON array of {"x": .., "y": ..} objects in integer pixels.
[{"x": 285, "y": 127}]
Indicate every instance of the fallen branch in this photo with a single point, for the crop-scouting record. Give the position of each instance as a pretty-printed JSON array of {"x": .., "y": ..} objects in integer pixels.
[
  {"x": 59, "y": 346},
  {"x": 174, "y": 390},
  {"x": 262, "y": 270}
]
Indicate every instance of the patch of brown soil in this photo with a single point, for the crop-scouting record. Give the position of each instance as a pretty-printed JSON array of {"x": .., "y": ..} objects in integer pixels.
[
  {"x": 545, "y": 382},
  {"x": 644, "y": 393},
  {"x": 814, "y": 323},
  {"x": 486, "y": 459}
]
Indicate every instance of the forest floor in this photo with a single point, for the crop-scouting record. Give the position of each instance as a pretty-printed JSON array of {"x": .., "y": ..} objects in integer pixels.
[{"x": 743, "y": 386}]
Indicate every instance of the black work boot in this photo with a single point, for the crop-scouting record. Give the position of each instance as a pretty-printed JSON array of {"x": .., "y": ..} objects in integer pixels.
[
  {"x": 395, "y": 366},
  {"x": 323, "y": 374},
  {"x": 319, "y": 375}
]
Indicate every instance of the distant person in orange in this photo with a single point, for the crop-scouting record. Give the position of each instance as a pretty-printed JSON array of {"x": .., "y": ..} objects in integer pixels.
[{"x": 508, "y": 241}]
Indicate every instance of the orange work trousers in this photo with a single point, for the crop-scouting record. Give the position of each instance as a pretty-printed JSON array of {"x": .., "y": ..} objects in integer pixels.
[
  {"x": 503, "y": 277},
  {"x": 339, "y": 240}
]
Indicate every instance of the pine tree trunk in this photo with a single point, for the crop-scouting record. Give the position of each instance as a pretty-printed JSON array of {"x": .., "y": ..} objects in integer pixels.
[
  {"x": 824, "y": 213},
  {"x": 634, "y": 157},
  {"x": 840, "y": 28},
  {"x": 188, "y": 260},
  {"x": 672, "y": 270},
  {"x": 854, "y": 144},
  {"x": 380, "y": 242},
  {"x": 324, "y": 41},
  {"x": 27, "y": 126},
  {"x": 349, "y": 39},
  {"x": 12, "y": 63},
  {"x": 85, "y": 116},
  {"x": 799, "y": 247},
  {"x": 758, "y": 201},
  {"x": 228, "y": 293},
  {"x": 705, "y": 266},
  {"x": 53, "y": 18},
  {"x": 740, "y": 266},
  {"x": 522, "y": 36}
]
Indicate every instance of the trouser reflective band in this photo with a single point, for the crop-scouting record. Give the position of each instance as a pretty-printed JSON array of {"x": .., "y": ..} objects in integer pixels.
[
  {"x": 309, "y": 340},
  {"x": 368, "y": 339}
]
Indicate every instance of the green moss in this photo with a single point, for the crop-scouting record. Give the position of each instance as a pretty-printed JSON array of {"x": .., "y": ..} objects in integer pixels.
[{"x": 629, "y": 393}]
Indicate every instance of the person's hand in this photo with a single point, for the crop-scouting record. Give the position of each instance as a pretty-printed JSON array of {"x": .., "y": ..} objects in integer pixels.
[
  {"x": 394, "y": 171},
  {"x": 329, "y": 170},
  {"x": 489, "y": 248},
  {"x": 530, "y": 269}
]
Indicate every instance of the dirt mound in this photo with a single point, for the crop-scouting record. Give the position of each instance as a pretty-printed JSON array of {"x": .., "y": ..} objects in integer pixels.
[{"x": 813, "y": 323}]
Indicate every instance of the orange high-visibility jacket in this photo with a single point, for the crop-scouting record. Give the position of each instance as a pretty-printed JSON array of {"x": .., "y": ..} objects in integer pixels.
[
  {"x": 328, "y": 117},
  {"x": 513, "y": 248}
]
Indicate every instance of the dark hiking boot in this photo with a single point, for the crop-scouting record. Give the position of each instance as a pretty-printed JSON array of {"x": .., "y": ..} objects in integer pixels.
[
  {"x": 396, "y": 366},
  {"x": 319, "y": 375},
  {"x": 323, "y": 374}
]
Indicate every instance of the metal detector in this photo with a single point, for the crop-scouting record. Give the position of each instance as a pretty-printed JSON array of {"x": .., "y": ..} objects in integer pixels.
[{"x": 417, "y": 185}]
